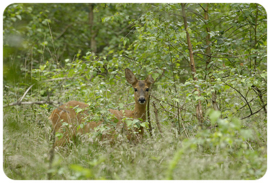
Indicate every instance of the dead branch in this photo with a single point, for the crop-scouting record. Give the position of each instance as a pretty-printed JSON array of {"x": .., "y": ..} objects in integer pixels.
[
  {"x": 176, "y": 116},
  {"x": 31, "y": 103},
  {"x": 64, "y": 78},
  {"x": 183, "y": 125},
  {"x": 241, "y": 96},
  {"x": 148, "y": 116},
  {"x": 260, "y": 95},
  {"x": 255, "y": 112},
  {"x": 25, "y": 94},
  {"x": 156, "y": 114},
  {"x": 182, "y": 107}
]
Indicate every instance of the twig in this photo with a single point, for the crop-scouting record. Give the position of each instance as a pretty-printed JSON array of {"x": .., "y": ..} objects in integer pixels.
[
  {"x": 130, "y": 25},
  {"x": 148, "y": 103},
  {"x": 171, "y": 104},
  {"x": 25, "y": 94},
  {"x": 255, "y": 112},
  {"x": 241, "y": 96},
  {"x": 156, "y": 114},
  {"x": 128, "y": 57},
  {"x": 260, "y": 95},
  {"x": 31, "y": 103},
  {"x": 160, "y": 76},
  {"x": 202, "y": 7},
  {"x": 176, "y": 116},
  {"x": 64, "y": 78},
  {"x": 51, "y": 156},
  {"x": 148, "y": 116},
  {"x": 183, "y": 125},
  {"x": 220, "y": 56},
  {"x": 245, "y": 105},
  {"x": 167, "y": 110},
  {"x": 65, "y": 29}
]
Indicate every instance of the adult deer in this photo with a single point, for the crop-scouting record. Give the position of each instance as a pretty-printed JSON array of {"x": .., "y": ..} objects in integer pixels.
[{"x": 67, "y": 113}]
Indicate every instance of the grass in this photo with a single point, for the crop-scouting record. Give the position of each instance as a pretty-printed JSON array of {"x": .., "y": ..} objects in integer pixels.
[
  {"x": 27, "y": 145},
  {"x": 203, "y": 155}
]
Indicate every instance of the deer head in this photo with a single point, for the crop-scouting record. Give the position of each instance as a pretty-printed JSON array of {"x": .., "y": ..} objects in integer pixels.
[{"x": 141, "y": 87}]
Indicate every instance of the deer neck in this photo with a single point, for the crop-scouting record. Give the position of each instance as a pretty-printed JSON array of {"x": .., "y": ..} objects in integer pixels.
[{"x": 140, "y": 111}]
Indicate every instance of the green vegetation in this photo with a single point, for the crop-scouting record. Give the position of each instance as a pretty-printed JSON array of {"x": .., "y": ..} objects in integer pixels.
[{"x": 212, "y": 114}]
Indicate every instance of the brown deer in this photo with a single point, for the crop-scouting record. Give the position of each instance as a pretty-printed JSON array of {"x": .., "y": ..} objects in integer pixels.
[{"x": 68, "y": 113}]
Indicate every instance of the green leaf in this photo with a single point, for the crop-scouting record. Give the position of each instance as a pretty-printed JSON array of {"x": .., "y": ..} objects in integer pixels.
[
  {"x": 214, "y": 116},
  {"x": 246, "y": 134},
  {"x": 85, "y": 172}
]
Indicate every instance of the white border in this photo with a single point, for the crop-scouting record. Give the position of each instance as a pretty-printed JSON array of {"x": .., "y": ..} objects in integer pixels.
[{"x": 5, "y": 3}]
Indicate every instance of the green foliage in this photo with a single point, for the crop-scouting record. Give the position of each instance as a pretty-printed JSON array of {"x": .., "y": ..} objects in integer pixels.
[{"x": 50, "y": 46}]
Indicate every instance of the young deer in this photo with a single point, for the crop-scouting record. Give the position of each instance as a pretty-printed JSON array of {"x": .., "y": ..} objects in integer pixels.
[{"x": 67, "y": 113}]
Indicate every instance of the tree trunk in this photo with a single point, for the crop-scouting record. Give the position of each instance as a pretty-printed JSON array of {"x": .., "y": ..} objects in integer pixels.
[
  {"x": 208, "y": 59},
  {"x": 199, "y": 112},
  {"x": 92, "y": 31}
]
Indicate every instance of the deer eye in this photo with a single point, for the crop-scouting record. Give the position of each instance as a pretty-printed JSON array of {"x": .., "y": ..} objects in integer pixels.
[
  {"x": 135, "y": 89},
  {"x": 147, "y": 89}
]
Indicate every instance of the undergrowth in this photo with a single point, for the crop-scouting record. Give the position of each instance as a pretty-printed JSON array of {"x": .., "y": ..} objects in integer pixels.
[{"x": 229, "y": 151}]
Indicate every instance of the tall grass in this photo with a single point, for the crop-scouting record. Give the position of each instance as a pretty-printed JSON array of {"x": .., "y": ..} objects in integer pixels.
[
  {"x": 27, "y": 144},
  {"x": 233, "y": 150}
]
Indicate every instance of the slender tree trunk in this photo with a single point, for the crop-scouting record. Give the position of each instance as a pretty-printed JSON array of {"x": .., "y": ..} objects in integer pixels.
[
  {"x": 208, "y": 49},
  {"x": 148, "y": 116},
  {"x": 92, "y": 31},
  {"x": 199, "y": 112},
  {"x": 255, "y": 36},
  {"x": 208, "y": 59}
]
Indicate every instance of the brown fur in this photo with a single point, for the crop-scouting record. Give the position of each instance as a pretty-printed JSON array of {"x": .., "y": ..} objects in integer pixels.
[{"x": 67, "y": 113}]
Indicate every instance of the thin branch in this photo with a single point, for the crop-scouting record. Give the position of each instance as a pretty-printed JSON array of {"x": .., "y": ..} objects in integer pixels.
[
  {"x": 182, "y": 107},
  {"x": 245, "y": 105},
  {"x": 202, "y": 18},
  {"x": 176, "y": 116},
  {"x": 220, "y": 56},
  {"x": 62, "y": 33},
  {"x": 148, "y": 116},
  {"x": 130, "y": 25},
  {"x": 128, "y": 57},
  {"x": 25, "y": 93},
  {"x": 64, "y": 78},
  {"x": 160, "y": 76},
  {"x": 31, "y": 103},
  {"x": 167, "y": 110},
  {"x": 156, "y": 114},
  {"x": 183, "y": 125},
  {"x": 202, "y": 7},
  {"x": 241, "y": 96},
  {"x": 51, "y": 153},
  {"x": 231, "y": 33},
  {"x": 255, "y": 112},
  {"x": 260, "y": 95},
  {"x": 176, "y": 49}
]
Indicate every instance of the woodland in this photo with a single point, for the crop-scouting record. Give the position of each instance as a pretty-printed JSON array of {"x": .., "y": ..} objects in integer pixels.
[{"x": 207, "y": 112}]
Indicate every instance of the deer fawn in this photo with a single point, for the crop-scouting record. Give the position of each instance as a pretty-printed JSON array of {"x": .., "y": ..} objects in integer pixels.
[{"x": 67, "y": 113}]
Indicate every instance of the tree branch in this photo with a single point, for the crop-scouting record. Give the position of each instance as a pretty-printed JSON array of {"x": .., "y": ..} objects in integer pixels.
[
  {"x": 255, "y": 112},
  {"x": 241, "y": 96},
  {"x": 31, "y": 103},
  {"x": 156, "y": 114},
  {"x": 63, "y": 32}
]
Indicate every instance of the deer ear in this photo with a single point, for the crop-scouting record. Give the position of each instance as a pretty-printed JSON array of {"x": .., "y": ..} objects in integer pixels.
[
  {"x": 130, "y": 77},
  {"x": 149, "y": 80}
]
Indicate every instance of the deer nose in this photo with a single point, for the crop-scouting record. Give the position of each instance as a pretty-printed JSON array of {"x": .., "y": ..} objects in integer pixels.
[{"x": 141, "y": 100}]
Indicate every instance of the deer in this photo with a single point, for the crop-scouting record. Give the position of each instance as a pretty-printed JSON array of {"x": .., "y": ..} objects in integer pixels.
[{"x": 67, "y": 114}]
